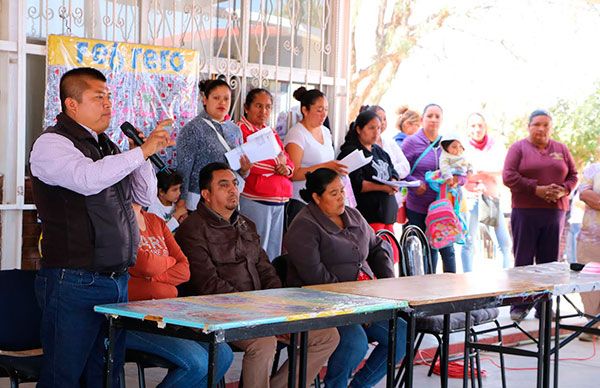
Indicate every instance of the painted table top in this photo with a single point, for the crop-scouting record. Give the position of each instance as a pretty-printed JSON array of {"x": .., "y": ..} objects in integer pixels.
[
  {"x": 440, "y": 288},
  {"x": 559, "y": 277},
  {"x": 244, "y": 309}
]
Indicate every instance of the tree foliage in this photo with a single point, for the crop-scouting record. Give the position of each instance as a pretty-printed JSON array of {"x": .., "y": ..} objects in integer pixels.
[
  {"x": 394, "y": 39},
  {"x": 577, "y": 124}
]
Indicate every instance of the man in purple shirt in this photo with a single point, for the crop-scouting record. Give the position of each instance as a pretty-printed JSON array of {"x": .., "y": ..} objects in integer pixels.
[{"x": 83, "y": 190}]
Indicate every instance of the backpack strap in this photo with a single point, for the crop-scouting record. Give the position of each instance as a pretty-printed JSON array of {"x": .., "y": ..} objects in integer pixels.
[
  {"x": 457, "y": 193},
  {"x": 429, "y": 148},
  {"x": 457, "y": 199},
  {"x": 443, "y": 190}
]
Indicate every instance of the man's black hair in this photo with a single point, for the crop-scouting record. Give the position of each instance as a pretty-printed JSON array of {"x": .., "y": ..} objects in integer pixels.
[
  {"x": 74, "y": 82},
  {"x": 206, "y": 173}
]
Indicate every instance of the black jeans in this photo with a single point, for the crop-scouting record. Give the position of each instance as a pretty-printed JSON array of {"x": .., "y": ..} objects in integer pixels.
[{"x": 448, "y": 259}]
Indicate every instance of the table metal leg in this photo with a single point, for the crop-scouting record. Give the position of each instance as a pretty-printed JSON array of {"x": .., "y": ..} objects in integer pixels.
[
  {"x": 303, "y": 356},
  {"x": 547, "y": 342},
  {"x": 212, "y": 359},
  {"x": 410, "y": 347},
  {"x": 541, "y": 342},
  {"x": 292, "y": 360},
  {"x": 501, "y": 354},
  {"x": 556, "y": 341},
  {"x": 391, "y": 364},
  {"x": 467, "y": 352},
  {"x": 110, "y": 352},
  {"x": 477, "y": 366},
  {"x": 445, "y": 351}
]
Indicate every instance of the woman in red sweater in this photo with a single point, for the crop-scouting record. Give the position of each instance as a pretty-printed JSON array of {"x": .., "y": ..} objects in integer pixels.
[
  {"x": 540, "y": 173},
  {"x": 160, "y": 267},
  {"x": 268, "y": 186}
]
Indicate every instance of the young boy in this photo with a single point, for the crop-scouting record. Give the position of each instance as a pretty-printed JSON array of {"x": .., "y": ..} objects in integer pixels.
[{"x": 169, "y": 190}]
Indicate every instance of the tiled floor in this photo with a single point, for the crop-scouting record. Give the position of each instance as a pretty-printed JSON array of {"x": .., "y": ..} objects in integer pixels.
[{"x": 579, "y": 367}]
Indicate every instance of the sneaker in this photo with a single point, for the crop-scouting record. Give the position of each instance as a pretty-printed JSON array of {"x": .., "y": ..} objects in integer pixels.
[{"x": 518, "y": 314}]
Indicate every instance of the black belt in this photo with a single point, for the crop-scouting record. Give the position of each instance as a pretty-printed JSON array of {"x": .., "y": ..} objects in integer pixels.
[{"x": 113, "y": 274}]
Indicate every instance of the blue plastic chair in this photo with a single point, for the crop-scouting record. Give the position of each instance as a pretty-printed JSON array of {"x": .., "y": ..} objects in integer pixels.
[{"x": 19, "y": 327}]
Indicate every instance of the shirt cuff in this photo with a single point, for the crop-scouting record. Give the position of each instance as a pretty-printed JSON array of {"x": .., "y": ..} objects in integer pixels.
[
  {"x": 138, "y": 156},
  {"x": 172, "y": 224}
]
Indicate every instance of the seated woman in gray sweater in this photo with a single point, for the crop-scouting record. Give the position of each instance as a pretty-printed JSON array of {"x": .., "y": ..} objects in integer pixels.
[
  {"x": 206, "y": 139},
  {"x": 326, "y": 243}
]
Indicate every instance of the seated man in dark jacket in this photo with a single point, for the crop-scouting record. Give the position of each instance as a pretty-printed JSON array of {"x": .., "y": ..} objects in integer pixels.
[{"x": 225, "y": 256}]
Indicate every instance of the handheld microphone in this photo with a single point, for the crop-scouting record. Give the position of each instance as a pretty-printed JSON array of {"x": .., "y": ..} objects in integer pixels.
[{"x": 130, "y": 131}]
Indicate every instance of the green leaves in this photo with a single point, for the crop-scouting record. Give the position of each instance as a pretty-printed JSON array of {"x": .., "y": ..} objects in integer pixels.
[{"x": 577, "y": 124}]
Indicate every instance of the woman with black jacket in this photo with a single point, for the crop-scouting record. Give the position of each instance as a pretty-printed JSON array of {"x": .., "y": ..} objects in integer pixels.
[{"x": 375, "y": 200}]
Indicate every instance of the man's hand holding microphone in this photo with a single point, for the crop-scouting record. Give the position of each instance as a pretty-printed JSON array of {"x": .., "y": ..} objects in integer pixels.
[{"x": 158, "y": 140}]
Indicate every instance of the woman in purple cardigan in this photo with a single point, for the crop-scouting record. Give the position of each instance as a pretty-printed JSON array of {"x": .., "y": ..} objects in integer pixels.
[
  {"x": 419, "y": 199},
  {"x": 540, "y": 173}
]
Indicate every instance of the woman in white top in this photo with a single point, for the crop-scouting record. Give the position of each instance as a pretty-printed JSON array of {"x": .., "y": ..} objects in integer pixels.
[
  {"x": 487, "y": 155},
  {"x": 309, "y": 145}
]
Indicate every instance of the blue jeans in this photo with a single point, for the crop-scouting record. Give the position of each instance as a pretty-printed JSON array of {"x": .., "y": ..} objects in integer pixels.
[
  {"x": 354, "y": 343},
  {"x": 571, "y": 248},
  {"x": 191, "y": 358},
  {"x": 448, "y": 258},
  {"x": 74, "y": 337},
  {"x": 472, "y": 241}
]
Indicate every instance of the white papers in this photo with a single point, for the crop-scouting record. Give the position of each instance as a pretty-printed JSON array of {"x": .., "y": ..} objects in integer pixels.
[
  {"x": 398, "y": 184},
  {"x": 261, "y": 145},
  {"x": 355, "y": 160}
]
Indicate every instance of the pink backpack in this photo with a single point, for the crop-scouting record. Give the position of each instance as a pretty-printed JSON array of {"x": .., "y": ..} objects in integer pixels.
[{"x": 443, "y": 228}]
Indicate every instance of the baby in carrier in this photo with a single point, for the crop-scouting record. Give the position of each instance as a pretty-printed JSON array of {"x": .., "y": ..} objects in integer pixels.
[
  {"x": 452, "y": 160},
  {"x": 444, "y": 222},
  {"x": 452, "y": 164}
]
